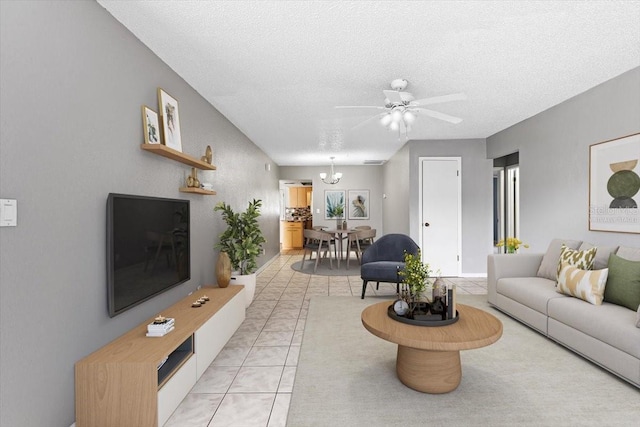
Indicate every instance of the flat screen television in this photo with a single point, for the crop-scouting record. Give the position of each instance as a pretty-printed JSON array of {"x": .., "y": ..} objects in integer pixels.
[{"x": 148, "y": 248}]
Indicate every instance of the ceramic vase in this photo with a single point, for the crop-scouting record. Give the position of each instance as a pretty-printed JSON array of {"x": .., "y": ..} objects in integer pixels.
[{"x": 223, "y": 270}]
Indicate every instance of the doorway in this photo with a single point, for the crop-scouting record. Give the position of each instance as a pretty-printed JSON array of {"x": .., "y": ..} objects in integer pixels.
[
  {"x": 440, "y": 214},
  {"x": 506, "y": 197}
]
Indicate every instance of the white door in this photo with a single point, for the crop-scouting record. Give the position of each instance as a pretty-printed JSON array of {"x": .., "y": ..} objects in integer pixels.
[{"x": 441, "y": 213}]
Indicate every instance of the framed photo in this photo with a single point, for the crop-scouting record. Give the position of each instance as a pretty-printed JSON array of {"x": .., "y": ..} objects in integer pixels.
[
  {"x": 334, "y": 204},
  {"x": 614, "y": 185},
  {"x": 150, "y": 126},
  {"x": 358, "y": 204},
  {"x": 170, "y": 120}
]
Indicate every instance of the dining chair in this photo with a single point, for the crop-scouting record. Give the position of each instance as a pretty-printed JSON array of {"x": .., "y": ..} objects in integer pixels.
[
  {"x": 316, "y": 241},
  {"x": 359, "y": 241}
]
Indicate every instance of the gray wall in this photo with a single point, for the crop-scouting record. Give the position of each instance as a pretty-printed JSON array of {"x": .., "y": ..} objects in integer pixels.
[
  {"x": 397, "y": 192},
  {"x": 402, "y": 182},
  {"x": 554, "y": 160},
  {"x": 477, "y": 196},
  {"x": 353, "y": 178},
  {"x": 72, "y": 81}
]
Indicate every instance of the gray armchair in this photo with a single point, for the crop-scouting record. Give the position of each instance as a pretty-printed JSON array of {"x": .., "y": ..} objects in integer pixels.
[{"x": 381, "y": 260}]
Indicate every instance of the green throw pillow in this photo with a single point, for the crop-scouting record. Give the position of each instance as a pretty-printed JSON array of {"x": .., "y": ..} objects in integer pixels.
[{"x": 623, "y": 282}]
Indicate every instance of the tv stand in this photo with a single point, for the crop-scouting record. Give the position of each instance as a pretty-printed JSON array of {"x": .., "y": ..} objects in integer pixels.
[{"x": 120, "y": 384}]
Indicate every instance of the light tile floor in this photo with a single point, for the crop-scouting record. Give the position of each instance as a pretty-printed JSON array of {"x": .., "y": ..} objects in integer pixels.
[{"x": 249, "y": 384}]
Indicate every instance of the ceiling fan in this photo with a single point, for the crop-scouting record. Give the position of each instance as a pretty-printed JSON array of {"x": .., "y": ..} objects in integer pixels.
[{"x": 401, "y": 108}]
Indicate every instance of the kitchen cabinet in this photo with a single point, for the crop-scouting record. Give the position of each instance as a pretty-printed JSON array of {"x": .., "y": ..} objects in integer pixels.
[
  {"x": 293, "y": 236},
  {"x": 299, "y": 197}
]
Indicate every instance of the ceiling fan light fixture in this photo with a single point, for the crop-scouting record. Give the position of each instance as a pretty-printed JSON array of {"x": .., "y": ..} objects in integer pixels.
[
  {"x": 409, "y": 117},
  {"x": 385, "y": 120},
  {"x": 396, "y": 115},
  {"x": 394, "y": 126}
]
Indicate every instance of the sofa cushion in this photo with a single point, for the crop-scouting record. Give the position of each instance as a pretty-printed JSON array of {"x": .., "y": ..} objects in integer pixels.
[
  {"x": 533, "y": 292},
  {"x": 623, "y": 284},
  {"x": 602, "y": 254},
  {"x": 626, "y": 252},
  {"x": 608, "y": 323},
  {"x": 549, "y": 265},
  {"x": 638, "y": 318},
  {"x": 381, "y": 271},
  {"x": 581, "y": 259},
  {"x": 588, "y": 285}
]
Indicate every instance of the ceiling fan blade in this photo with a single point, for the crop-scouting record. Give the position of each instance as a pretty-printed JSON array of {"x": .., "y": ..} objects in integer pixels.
[
  {"x": 359, "y": 106},
  {"x": 393, "y": 96},
  {"x": 361, "y": 124},
  {"x": 438, "y": 115},
  {"x": 439, "y": 99}
]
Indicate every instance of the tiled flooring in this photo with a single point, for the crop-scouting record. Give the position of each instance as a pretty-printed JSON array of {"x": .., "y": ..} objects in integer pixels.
[{"x": 250, "y": 382}]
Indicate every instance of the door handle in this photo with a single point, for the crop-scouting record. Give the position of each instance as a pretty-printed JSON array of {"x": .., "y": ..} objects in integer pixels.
[{"x": 426, "y": 224}]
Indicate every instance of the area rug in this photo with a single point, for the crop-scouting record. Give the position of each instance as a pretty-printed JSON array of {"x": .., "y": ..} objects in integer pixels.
[
  {"x": 346, "y": 377},
  {"x": 325, "y": 270}
]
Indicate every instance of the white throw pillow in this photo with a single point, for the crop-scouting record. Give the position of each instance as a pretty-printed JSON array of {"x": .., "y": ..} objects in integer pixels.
[{"x": 587, "y": 285}]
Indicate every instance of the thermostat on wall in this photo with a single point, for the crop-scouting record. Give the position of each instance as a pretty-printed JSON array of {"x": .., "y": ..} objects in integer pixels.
[{"x": 8, "y": 212}]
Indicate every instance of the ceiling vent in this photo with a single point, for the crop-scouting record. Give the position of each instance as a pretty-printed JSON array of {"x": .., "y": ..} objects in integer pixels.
[{"x": 374, "y": 162}]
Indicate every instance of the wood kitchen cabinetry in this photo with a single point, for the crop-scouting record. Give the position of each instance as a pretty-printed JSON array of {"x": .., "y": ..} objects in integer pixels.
[
  {"x": 299, "y": 197},
  {"x": 293, "y": 236}
]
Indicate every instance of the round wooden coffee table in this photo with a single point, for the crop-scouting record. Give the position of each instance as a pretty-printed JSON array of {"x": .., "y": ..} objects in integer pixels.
[{"x": 428, "y": 357}]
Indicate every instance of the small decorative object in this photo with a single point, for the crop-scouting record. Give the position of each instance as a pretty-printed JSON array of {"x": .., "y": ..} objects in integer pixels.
[
  {"x": 202, "y": 301},
  {"x": 614, "y": 185},
  {"x": 400, "y": 307},
  {"x": 170, "y": 117},
  {"x": 358, "y": 204},
  {"x": 206, "y": 298},
  {"x": 192, "y": 180},
  {"x": 150, "y": 126},
  {"x": 223, "y": 270},
  {"x": 159, "y": 320},
  {"x": 196, "y": 304},
  {"x": 208, "y": 155},
  {"x": 511, "y": 244}
]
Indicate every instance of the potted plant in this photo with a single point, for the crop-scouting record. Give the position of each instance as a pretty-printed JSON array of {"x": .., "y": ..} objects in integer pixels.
[
  {"x": 415, "y": 277},
  {"x": 242, "y": 241}
]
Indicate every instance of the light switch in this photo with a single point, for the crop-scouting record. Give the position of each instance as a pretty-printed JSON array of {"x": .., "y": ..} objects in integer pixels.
[{"x": 8, "y": 212}]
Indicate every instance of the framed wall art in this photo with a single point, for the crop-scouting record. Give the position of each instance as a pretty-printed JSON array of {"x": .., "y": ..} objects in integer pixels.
[
  {"x": 334, "y": 201},
  {"x": 170, "y": 116},
  {"x": 358, "y": 204},
  {"x": 614, "y": 185},
  {"x": 150, "y": 126}
]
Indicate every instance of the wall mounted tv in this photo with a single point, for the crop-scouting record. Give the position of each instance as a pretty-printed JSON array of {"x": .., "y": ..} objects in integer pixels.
[{"x": 148, "y": 241}]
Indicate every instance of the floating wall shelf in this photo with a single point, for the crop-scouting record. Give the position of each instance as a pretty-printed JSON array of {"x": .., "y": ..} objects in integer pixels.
[{"x": 172, "y": 154}]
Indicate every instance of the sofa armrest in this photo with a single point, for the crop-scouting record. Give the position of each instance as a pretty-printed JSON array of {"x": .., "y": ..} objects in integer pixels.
[{"x": 509, "y": 265}]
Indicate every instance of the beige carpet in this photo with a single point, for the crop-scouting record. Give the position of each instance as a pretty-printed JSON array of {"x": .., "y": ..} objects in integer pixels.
[{"x": 346, "y": 377}]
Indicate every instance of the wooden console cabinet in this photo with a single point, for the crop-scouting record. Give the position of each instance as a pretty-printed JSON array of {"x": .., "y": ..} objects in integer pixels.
[{"x": 121, "y": 385}]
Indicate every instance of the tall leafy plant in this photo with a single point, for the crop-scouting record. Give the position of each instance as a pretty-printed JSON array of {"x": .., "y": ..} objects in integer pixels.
[{"x": 243, "y": 239}]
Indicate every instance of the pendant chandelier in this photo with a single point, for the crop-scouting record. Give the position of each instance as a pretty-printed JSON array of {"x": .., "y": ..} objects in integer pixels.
[{"x": 334, "y": 177}]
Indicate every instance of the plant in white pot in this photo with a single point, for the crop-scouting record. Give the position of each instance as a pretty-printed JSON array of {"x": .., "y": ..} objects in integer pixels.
[{"x": 242, "y": 241}]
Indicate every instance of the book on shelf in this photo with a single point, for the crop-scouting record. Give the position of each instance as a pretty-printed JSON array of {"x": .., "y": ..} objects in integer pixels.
[{"x": 159, "y": 333}]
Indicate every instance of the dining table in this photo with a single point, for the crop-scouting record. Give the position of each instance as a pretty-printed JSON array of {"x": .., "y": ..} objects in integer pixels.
[{"x": 340, "y": 235}]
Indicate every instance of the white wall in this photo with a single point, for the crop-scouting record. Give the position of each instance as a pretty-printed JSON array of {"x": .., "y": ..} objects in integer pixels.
[{"x": 554, "y": 160}]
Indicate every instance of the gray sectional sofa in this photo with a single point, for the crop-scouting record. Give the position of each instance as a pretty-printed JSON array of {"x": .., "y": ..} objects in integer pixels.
[{"x": 606, "y": 334}]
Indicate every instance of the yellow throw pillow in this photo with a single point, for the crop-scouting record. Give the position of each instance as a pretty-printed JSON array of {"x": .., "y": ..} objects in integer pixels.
[
  {"x": 583, "y": 284},
  {"x": 581, "y": 259}
]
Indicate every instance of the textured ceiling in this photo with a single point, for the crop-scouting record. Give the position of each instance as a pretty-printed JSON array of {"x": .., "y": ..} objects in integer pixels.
[{"x": 276, "y": 69}]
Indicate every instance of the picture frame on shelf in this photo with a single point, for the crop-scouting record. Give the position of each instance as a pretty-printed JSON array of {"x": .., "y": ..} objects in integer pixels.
[
  {"x": 358, "y": 206},
  {"x": 170, "y": 117},
  {"x": 614, "y": 185},
  {"x": 150, "y": 126},
  {"x": 334, "y": 204}
]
